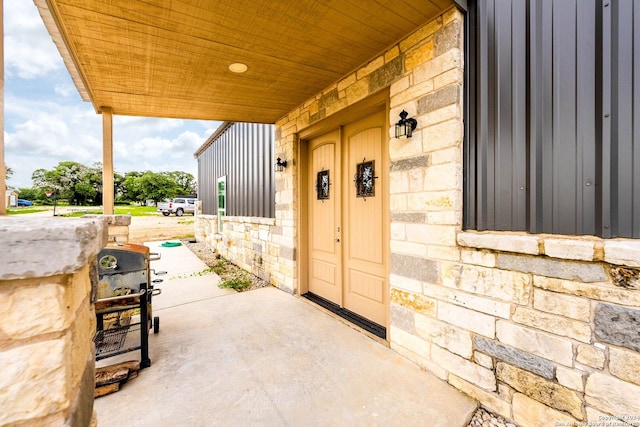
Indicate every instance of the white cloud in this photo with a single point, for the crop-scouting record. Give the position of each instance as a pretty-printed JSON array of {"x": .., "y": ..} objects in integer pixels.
[
  {"x": 42, "y": 134},
  {"x": 158, "y": 154},
  {"x": 64, "y": 91},
  {"x": 46, "y": 124},
  {"x": 28, "y": 48},
  {"x": 44, "y": 138}
]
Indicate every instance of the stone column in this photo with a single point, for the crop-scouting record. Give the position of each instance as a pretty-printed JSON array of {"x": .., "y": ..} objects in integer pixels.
[{"x": 48, "y": 284}]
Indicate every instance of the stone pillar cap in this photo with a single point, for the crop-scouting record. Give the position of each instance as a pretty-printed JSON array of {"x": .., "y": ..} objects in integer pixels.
[{"x": 42, "y": 247}]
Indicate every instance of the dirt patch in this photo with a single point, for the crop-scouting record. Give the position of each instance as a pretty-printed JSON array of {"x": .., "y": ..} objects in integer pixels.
[{"x": 158, "y": 227}]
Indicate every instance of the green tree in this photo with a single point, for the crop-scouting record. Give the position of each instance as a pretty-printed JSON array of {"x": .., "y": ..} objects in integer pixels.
[
  {"x": 72, "y": 181},
  {"x": 80, "y": 184},
  {"x": 92, "y": 183},
  {"x": 185, "y": 181},
  {"x": 38, "y": 177},
  {"x": 118, "y": 183},
  {"x": 130, "y": 190},
  {"x": 156, "y": 186},
  {"x": 84, "y": 193},
  {"x": 142, "y": 186},
  {"x": 32, "y": 194},
  {"x": 44, "y": 180}
]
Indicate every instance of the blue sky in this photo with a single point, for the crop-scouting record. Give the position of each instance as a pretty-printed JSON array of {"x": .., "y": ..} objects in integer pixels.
[{"x": 47, "y": 122}]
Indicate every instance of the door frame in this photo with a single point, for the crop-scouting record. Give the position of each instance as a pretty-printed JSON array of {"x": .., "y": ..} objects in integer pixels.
[{"x": 357, "y": 111}]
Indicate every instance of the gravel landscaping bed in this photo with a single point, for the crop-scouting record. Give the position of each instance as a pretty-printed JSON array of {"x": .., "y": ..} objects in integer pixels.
[
  {"x": 484, "y": 418},
  {"x": 223, "y": 269}
]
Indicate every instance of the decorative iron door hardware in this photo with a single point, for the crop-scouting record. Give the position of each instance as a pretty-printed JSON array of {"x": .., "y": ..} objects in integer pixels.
[
  {"x": 364, "y": 179},
  {"x": 322, "y": 185}
]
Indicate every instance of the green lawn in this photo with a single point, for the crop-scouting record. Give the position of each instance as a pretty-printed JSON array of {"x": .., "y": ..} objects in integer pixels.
[
  {"x": 132, "y": 210},
  {"x": 136, "y": 210},
  {"x": 26, "y": 210}
]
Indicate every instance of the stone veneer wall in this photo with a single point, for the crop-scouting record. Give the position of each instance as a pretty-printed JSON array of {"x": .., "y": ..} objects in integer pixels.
[
  {"x": 540, "y": 329},
  {"x": 251, "y": 243},
  {"x": 47, "y": 320},
  {"x": 118, "y": 226}
]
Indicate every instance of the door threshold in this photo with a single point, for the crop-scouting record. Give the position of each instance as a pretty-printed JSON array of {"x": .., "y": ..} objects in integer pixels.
[{"x": 363, "y": 323}]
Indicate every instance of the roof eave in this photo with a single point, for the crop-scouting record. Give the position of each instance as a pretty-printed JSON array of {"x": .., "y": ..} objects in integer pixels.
[
  {"x": 223, "y": 127},
  {"x": 51, "y": 23}
]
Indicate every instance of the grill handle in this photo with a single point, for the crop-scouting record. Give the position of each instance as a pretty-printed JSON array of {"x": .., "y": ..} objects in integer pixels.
[
  {"x": 154, "y": 256},
  {"x": 139, "y": 294}
]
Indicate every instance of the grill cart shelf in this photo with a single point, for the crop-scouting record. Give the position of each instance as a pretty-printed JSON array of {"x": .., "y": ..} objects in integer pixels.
[
  {"x": 123, "y": 307},
  {"x": 112, "y": 340}
]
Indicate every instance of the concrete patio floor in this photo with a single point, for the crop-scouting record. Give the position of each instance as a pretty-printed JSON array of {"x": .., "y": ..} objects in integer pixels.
[{"x": 265, "y": 357}]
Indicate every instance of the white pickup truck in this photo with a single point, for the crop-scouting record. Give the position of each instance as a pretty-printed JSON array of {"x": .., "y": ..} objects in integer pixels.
[{"x": 178, "y": 206}]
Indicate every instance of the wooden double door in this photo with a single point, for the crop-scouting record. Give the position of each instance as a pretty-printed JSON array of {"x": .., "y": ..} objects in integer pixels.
[{"x": 348, "y": 225}]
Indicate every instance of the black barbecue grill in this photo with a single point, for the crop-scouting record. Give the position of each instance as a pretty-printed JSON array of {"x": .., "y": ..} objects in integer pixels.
[{"x": 123, "y": 307}]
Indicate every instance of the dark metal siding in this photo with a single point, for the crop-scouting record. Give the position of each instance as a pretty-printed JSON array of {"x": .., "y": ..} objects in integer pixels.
[
  {"x": 552, "y": 144},
  {"x": 624, "y": 21},
  {"x": 244, "y": 153}
]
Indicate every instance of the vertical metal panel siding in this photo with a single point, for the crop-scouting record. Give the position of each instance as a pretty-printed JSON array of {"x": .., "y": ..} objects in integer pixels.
[
  {"x": 553, "y": 136},
  {"x": 625, "y": 138},
  {"x": 244, "y": 153},
  {"x": 501, "y": 114}
]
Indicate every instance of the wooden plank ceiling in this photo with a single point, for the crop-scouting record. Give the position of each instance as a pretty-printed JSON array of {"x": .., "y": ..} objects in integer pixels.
[{"x": 170, "y": 58}]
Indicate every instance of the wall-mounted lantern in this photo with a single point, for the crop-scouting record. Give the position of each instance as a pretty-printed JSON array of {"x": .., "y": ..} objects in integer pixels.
[
  {"x": 280, "y": 164},
  {"x": 405, "y": 127}
]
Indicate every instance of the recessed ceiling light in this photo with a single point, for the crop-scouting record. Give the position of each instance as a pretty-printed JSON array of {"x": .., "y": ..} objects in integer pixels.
[{"x": 238, "y": 67}]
